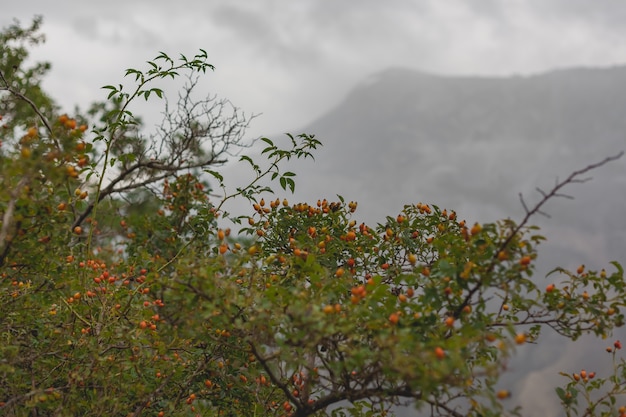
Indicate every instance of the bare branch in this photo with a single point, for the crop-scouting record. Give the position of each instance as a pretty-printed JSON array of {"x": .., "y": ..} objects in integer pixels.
[
  {"x": 572, "y": 178},
  {"x": 32, "y": 105},
  {"x": 196, "y": 135},
  {"x": 554, "y": 192}
]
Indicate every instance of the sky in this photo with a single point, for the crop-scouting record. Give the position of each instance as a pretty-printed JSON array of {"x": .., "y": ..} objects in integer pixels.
[{"x": 291, "y": 61}]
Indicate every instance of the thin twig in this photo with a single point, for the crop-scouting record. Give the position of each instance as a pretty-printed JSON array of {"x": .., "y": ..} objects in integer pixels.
[
  {"x": 32, "y": 105},
  {"x": 554, "y": 192}
]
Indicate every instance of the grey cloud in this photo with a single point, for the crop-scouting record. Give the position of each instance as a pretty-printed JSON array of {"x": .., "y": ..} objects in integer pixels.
[
  {"x": 269, "y": 31},
  {"x": 246, "y": 23}
]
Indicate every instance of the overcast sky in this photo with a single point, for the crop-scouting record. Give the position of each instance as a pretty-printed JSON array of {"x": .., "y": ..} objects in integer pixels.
[{"x": 294, "y": 60}]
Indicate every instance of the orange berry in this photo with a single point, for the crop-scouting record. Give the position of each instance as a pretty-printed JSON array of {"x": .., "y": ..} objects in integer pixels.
[
  {"x": 449, "y": 321},
  {"x": 78, "y": 230},
  {"x": 83, "y": 161},
  {"x": 394, "y": 318},
  {"x": 520, "y": 338},
  {"x": 550, "y": 288},
  {"x": 32, "y": 132},
  {"x": 503, "y": 394},
  {"x": 440, "y": 353}
]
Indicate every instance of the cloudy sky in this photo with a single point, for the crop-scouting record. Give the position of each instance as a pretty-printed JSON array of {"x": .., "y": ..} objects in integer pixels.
[{"x": 292, "y": 61}]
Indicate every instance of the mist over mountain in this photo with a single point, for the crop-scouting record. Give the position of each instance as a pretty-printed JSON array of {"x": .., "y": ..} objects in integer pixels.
[{"x": 472, "y": 144}]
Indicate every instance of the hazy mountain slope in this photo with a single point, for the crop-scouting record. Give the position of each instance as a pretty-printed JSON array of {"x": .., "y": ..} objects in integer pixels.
[{"x": 472, "y": 144}]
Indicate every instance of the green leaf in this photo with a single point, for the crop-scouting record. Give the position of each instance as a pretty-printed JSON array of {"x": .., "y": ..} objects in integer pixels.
[
  {"x": 561, "y": 393},
  {"x": 620, "y": 269},
  {"x": 216, "y": 175}
]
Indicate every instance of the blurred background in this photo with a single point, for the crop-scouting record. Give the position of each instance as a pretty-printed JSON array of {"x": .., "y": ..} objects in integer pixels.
[{"x": 463, "y": 104}]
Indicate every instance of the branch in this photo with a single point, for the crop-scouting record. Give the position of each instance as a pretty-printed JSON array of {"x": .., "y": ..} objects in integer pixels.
[
  {"x": 29, "y": 102},
  {"x": 554, "y": 192},
  {"x": 170, "y": 170},
  {"x": 8, "y": 217},
  {"x": 275, "y": 379},
  {"x": 571, "y": 179}
]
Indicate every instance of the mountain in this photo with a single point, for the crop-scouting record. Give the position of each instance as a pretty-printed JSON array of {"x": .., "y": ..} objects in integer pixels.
[{"x": 472, "y": 144}]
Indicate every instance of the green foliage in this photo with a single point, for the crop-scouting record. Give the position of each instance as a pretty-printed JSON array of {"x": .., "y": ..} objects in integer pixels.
[{"x": 123, "y": 292}]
